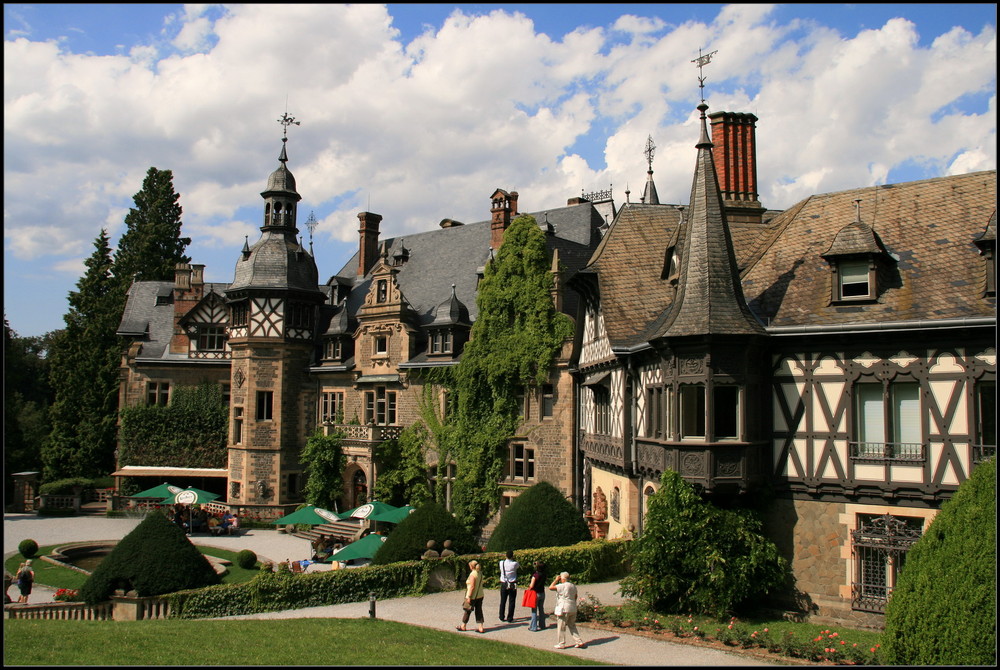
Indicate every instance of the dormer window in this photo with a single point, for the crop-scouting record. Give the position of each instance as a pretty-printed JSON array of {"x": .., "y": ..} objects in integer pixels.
[
  {"x": 334, "y": 349},
  {"x": 381, "y": 345},
  {"x": 441, "y": 342},
  {"x": 987, "y": 243},
  {"x": 855, "y": 280}
]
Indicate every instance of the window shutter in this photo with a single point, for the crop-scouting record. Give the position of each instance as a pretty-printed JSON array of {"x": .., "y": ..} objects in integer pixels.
[{"x": 906, "y": 413}]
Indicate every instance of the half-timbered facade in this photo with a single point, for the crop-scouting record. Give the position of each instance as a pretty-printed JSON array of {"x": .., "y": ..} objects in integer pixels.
[{"x": 840, "y": 354}]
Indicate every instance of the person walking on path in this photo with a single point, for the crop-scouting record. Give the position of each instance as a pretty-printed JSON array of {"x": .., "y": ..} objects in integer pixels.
[
  {"x": 508, "y": 586},
  {"x": 473, "y": 597},
  {"x": 565, "y": 610},
  {"x": 25, "y": 580},
  {"x": 538, "y": 586}
]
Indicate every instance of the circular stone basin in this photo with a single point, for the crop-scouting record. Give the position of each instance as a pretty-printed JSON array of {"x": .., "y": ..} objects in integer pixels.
[{"x": 83, "y": 556}]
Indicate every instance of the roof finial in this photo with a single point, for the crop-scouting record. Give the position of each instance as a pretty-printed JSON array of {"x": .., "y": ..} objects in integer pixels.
[
  {"x": 650, "y": 151},
  {"x": 701, "y": 61},
  {"x": 286, "y": 121}
]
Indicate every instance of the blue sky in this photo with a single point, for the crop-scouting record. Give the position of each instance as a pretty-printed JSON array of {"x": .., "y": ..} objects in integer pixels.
[{"x": 419, "y": 111}]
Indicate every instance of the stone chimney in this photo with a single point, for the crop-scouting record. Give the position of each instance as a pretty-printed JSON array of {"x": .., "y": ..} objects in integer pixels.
[
  {"x": 188, "y": 290},
  {"x": 368, "y": 246},
  {"x": 734, "y": 136},
  {"x": 503, "y": 209}
]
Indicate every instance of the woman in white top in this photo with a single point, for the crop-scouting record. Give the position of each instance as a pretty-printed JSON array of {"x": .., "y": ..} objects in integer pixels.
[{"x": 565, "y": 611}]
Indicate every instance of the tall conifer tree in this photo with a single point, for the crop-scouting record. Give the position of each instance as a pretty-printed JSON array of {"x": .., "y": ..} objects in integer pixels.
[
  {"x": 84, "y": 360},
  {"x": 151, "y": 245}
]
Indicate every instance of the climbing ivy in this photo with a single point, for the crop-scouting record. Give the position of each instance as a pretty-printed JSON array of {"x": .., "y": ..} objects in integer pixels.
[
  {"x": 513, "y": 344},
  {"x": 190, "y": 432},
  {"x": 324, "y": 461},
  {"x": 402, "y": 468}
]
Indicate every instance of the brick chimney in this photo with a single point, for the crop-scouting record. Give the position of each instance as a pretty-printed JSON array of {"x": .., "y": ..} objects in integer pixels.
[
  {"x": 503, "y": 209},
  {"x": 734, "y": 135},
  {"x": 187, "y": 293},
  {"x": 368, "y": 246}
]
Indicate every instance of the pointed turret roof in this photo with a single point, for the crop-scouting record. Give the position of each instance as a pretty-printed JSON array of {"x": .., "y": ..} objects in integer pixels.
[{"x": 709, "y": 298}]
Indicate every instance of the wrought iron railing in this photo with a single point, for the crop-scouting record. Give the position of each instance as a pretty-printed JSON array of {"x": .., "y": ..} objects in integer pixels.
[
  {"x": 879, "y": 548},
  {"x": 906, "y": 452},
  {"x": 983, "y": 452},
  {"x": 368, "y": 433}
]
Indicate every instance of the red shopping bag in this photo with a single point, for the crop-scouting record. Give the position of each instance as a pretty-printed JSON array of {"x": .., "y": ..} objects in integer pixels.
[{"x": 530, "y": 598}]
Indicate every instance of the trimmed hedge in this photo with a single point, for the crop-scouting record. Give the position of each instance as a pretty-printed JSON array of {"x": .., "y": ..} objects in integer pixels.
[
  {"x": 27, "y": 548},
  {"x": 943, "y": 610},
  {"x": 594, "y": 561},
  {"x": 539, "y": 517},
  {"x": 431, "y": 521},
  {"x": 246, "y": 559},
  {"x": 155, "y": 558}
]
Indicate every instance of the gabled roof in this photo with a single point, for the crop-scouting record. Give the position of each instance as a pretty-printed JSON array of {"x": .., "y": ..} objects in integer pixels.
[{"x": 152, "y": 321}]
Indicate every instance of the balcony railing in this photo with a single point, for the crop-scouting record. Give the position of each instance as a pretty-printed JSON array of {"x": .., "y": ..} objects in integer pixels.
[
  {"x": 369, "y": 433},
  {"x": 983, "y": 452},
  {"x": 900, "y": 452}
]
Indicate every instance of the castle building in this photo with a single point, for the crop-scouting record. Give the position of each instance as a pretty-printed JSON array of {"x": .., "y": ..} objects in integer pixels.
[{"x": 838, "y": 357}]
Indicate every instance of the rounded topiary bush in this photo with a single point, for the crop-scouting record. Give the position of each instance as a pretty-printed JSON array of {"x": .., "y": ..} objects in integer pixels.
[
  {"x": 943, "y": 610},
  {"x": 28, "y": 548},
  {"x": 431, "y": 521},
  {"x": 155, "y": 558},
  {"x": 246, "y": 559},
  {"x": 539, "y": 517}
]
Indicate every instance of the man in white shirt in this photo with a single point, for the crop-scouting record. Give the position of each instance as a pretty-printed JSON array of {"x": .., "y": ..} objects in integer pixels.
[{"x": 508, "y": 586}]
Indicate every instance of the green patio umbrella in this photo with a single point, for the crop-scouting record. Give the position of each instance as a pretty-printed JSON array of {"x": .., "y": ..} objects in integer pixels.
[
  {"x": 190, "y": 496},
  {"x": 363, "y": 548},
  {"x": 393, "y": 516},
  {"x": 161, "y": 491},
  {"x": 370, "y": 510},
  {"x": 310, "y": 514}
]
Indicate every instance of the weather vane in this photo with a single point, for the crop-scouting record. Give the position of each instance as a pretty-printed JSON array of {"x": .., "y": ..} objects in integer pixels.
[
  {"x": 286, "y": 121},
  {"x": 701, "y": 61},
  {"x": 650, "y": 151}
]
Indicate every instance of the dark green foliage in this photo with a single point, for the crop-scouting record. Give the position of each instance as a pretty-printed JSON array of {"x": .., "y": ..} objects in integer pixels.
[
  {"x": 83, "y": 370},
  {"x": 408, "y": 540},
  {"x": 324, "y": 460},
  {"x": 190, "y": 432},
  {"x": 155, "y": 558},
  {"x": 402, "y": 468},
  {"x": 27, "y": 398},
  {"x": 246, "y": 559},
  {"x": 67, "y": 486},
  {"x": 539, "y": 517},
  {"x": 695, "y": 557},
  {"x": 943, "y": 610},
  {"x": 513, "y": 345},
  {"x": 151, "y": 246},
  {"x": 27, "y": 548}
]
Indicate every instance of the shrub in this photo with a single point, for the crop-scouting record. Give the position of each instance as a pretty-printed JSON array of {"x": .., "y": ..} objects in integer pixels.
[
  {"x": 28, "y": 548},
  {"x": 539, "y": 517},
  {"x": 155, "y": 558},
  {"x": 943, "y": 610},
  {"x": 246, "y": 559},
  {"x": 695, "y": 557},
  {"x": 431, "y": 521},
  {"x": 61, "y": 487}
]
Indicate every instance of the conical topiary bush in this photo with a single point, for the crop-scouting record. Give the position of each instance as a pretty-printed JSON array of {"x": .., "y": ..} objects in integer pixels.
[
  {"x": 539, "y": 517},
  {"x": 155, "y": 558},
  {"x": 431, "y": 521}
]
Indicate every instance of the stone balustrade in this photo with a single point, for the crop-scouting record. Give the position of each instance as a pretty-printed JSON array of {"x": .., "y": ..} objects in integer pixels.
[{"x": 119, "y": 608}]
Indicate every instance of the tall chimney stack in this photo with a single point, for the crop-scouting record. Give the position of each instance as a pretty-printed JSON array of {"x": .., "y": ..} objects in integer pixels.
[
  {"x": 368, "y": 245},
  {"x": 503, "y": 209},
  {"x": 734, "y": 136}
]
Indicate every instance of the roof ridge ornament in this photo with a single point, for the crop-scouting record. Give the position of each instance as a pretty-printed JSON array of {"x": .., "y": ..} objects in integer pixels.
[
  {"x": 701, "y": 61},
  {"x": 286, "y": 121}
]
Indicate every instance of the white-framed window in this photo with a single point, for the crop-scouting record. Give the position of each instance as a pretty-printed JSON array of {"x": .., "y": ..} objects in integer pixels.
[
  {"x": 380, "y": 407},
  {"x": 887, "y": 421},
  {"x": 237, "y": 425},
  {"x": 157, "y": 393},
  {"x": 331, "y": 407},
  {"x": 548, "y": 401},
  {"x": 333, "y": 349},
  {"x": 855, "y": 280},
  {"x": 520, "y": 463},
  {"x": 211, "y": 337},
  {"x": 239, "y": 313},
  {"x": 381, "y": 345}
]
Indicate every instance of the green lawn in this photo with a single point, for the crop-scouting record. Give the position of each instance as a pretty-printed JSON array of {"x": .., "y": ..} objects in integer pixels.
[
  {"x": 59, "y": 577},
  {"x": 277, "y": 642}
]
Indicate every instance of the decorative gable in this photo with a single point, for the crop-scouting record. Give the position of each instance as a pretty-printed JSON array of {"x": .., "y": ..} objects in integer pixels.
[{"x": 855, "y": 257}]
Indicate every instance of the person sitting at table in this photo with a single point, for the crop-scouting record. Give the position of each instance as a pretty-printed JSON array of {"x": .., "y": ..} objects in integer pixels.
[
  {"x": 227, "y": 521},
  {"x": 214, "y": 525},
  {"x": 234, "y": 528}
]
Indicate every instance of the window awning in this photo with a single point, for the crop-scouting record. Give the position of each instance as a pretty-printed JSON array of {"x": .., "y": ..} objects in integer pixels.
[
  {"x": 596, "y": 378},
  {"x": 158, "y": 471}
]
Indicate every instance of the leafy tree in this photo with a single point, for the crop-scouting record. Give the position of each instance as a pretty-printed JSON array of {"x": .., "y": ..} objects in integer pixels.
[
  {"x": 943, "y": 610},
  {"x": 402, "y": 468},
  {"x": 151, "y": 245},
  {"x": 539, "y": 517},
  {"x": 190, "y": 432},
  {"x": 695, "y": 557},
  {"x": 155, "y": 558},
  {"x": 324, "y": 461},
  {"x": 431, "y": 521},
  {"x": 84, "y": 360},
  {"x": 513, "y": 344},
  {"x": 27, "y": 398}
]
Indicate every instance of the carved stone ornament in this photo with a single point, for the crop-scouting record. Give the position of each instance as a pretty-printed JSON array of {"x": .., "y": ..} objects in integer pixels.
[
  {"x": 239, "y": 377},
  {"x": 600, "y": 511}
]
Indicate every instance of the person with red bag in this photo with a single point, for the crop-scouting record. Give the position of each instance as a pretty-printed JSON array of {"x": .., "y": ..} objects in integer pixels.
[{"x": 536, "y": 592}]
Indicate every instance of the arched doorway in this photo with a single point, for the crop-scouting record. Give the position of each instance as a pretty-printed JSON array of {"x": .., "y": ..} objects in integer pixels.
[{"x": 359, "y": 488}]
